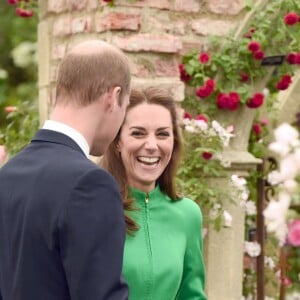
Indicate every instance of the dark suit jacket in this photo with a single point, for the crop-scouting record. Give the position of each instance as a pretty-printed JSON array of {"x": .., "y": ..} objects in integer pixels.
[{"x": 62, "y": 227}]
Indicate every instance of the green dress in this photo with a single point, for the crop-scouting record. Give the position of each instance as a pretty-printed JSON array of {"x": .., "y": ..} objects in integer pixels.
[{"x": 163, "y": 259}]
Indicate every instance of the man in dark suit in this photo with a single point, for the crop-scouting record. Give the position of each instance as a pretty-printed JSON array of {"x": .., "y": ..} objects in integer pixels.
[{"x": 62, "y": 227}]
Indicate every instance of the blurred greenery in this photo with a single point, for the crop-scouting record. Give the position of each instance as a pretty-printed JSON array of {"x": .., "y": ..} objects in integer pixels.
[{"x": 19, "y": 87}]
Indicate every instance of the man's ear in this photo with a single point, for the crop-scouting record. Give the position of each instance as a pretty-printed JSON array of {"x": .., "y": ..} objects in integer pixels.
[{"x": 114, "y": 97}]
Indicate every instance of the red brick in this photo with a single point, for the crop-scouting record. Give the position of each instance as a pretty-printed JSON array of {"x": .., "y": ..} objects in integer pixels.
[
  {"x": 227, "y": 7},
  {"x": 139, "y": 69},
  {"x": 149, "y": 42},
  {"x": 161, "y": 4},
  {"x": 166, "y": 67},
  {"x": 58, "y": 51},
  {"x": 188, "y": 46},
  {"x": 62, "y": 26},
  {"x": 207, "y": 27},
  {"x": 76, "y": 4},
  {"x": 118, "y": 21},
  {"x": 82, "y": 24},
  {"x": 187, "y": 5},
  {"x": 56, "y": 6}
]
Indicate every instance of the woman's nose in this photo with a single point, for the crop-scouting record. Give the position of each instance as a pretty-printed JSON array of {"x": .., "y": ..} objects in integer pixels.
[{"x": 151, "y": 143}]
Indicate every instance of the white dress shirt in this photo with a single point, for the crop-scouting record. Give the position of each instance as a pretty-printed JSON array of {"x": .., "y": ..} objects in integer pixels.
[{"x": 72, "y": 133}]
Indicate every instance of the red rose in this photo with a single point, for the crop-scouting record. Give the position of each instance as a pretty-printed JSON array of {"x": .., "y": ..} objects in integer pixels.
[
  {"x": 291, "y": 58},
  {"x": 12, "y": 2},
  {"x": 244, "y": 77},
  {"x": 297, "y": 59},
  {"x": 107, "y": 0},
  {"x": 287, "y": 78},
  {"x": 25, "y": 13},
  {"x": 234, "y": 101},
  {"x": 207, "y": 89},
  {"x": 184, "y": 76},
  {"x": 210, "y": 83},
  {"x": 187, "y": 115},
  {"x": 204, "y": 58},
  {"x": 256, "y": 128},
  {"x": 203, "y": 91},
  {"x": 202, "y": 118},
  {"x": 222, "y": 100},
  {"x": 253, "y": 46},
  {"x": 284, "y": 82},
  {"x": 291, "y": 19},
  {"x": 207, "y": 155},
  {"x": 258, "y": 55},
  {"x": 256, "y": 100}
]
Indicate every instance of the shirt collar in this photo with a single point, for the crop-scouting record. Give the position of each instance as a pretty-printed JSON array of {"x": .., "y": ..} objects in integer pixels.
[{"x": 70, "y": 132}]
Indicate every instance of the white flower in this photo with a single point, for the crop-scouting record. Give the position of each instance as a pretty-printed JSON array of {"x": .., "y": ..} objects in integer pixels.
[
  {"x": 3, "y": 74},
  {"x": 275, "y": 215},
  {"x": 274, "y": 177},
  {"x": 238, "y": 181},
  {"x": 214, "y": 212},
  {"x": 24, "y": 54},
  {"x": 266, "y": 92},
  {"x": 189, "y": 128},
  {"x": 201, "y": 124},
  {"x": 286, "y": 134},
  {"x": 269, "y": 262},
  {"x": 227, "y": 218},
  {"x": 250, "y": 208},
  {"x": 253, "y": 249},
  {"x": 290, "y": 186},
  {"x": 224, "y": 135}
]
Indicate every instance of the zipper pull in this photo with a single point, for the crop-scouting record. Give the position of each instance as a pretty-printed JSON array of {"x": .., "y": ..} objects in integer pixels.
[{"x": 147, "y": 198}]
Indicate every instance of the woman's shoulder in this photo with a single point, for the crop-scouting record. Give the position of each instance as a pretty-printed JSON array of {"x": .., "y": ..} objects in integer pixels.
[{"x": 189, "y": 208}]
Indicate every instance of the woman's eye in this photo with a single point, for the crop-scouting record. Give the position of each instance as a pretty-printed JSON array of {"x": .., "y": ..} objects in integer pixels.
[
  {"x": 164, "y": 133},
  {"x": 136, "y": 133}
]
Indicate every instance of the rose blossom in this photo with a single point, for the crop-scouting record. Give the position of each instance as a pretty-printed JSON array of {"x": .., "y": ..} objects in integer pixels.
[
  {"x": 291, "y": 58},
  {"x": 25, "y": 13},
  {"x": 254, "y": 46},
  {"x": 264, "y": 122},
  {"x": 204, "y": 58},
  {"x": 202, "y": 117},
  {"x": 12, "y": 2},
  {"x": 207, "y": 89},
  {"x": 297, "y": 58},
  {"x": 256, "y": 100},
  {"x": 244, "y": 77},
  {"x": 9, "y": 109},
  {"x": 293, "y": 236},
  {"x": 207, "y": 155},
  {"x": 187, "y": 115},
  {"x": 258, "y": 55},
  {"x": 184, "y": 76},
  {"x": 256, "y": 128},
  {"x": 291, "y": 18}
]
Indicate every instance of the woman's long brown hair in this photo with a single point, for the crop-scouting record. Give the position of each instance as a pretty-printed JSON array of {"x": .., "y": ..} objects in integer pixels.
[{"x": 112, "y": 161}]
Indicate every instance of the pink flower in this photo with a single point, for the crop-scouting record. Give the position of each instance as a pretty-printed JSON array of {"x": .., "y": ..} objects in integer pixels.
[
  {"x": 258, "y": 55},
  {"x": 10, "y": 109},
  {"x": 207, "y": 155},
  {"x": 256, "y": 100},
  {"x": 24, "y": 13},
  {"x": 254, "y": 46},
  {"x": 12, "y": 2},
  {"x": 184, "y": 76},
  {"x": 256, "y": 128},
  {"x": 3, "y": 154},
  {"x": 202, "y": 118},
  {"x": 291, "y": 18},
  {"x": 204, "y": 58},
  {"x": 264, "y": 122},
  {"x": 293, "y": 236}
]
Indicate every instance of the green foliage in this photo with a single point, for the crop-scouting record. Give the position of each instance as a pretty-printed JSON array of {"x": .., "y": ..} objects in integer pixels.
[{"x": 19, "y": 87}]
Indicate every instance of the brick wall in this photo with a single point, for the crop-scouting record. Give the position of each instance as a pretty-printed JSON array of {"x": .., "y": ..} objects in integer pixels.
[{"x": 153, "y": 33}]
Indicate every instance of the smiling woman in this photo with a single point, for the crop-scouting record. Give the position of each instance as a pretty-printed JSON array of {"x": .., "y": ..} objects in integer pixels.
[{"x": 163, "y": 249}]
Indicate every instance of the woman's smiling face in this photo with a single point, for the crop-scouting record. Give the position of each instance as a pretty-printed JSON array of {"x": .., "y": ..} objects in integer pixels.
[{"x": 146, "y": 144}]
